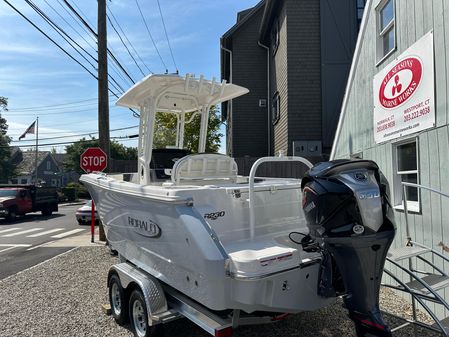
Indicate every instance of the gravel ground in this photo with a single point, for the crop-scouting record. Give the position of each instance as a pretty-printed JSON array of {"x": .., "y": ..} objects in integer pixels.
[{"x": 63, "y": 297}]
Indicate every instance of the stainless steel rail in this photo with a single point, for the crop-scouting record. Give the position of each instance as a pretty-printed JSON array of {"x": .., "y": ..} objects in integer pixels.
[
  {"x": 404, "y": 198},
  {"x": 252, "y": 175},
  {"x": 417, "y": 296}
]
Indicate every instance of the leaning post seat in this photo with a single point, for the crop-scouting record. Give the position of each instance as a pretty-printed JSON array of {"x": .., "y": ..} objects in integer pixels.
[{"x": 208, "y": 166}]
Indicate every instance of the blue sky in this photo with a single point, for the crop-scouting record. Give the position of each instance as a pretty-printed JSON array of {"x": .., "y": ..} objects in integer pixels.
[{"x": 40, "y": 80}]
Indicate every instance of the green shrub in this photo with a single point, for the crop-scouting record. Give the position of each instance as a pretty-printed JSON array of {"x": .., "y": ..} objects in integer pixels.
[
  {"x": 61, "y": 197},
  {"x": 81, "y": 191},
  {"x": 70, "y": 193}
]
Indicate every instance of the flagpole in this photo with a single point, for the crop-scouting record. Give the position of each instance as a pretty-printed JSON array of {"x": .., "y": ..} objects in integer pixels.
[{"x": 37, "y": 141}]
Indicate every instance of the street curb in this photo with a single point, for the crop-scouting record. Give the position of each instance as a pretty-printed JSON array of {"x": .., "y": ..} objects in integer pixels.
[{"x": 73, "y": 203}]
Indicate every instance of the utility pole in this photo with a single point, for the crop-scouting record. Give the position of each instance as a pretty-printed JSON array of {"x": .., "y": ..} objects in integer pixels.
[{"x": 103, "y": 96}]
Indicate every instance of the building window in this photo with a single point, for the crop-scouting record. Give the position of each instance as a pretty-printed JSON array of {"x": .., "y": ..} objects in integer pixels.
[
  {"x": 275, "y": 37},
  {"x": 14, "y": 181},
  {"x": 386, "y": 39},
  {"x": 48, "y": 165},
  {"x": 406, "y": 170},
  {"x": 24, "y": 181},
  {"x": 275, "y": 108}
]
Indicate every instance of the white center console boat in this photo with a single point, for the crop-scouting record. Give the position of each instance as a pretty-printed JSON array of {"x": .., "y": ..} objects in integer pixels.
[{"x": 198, "y": 239}]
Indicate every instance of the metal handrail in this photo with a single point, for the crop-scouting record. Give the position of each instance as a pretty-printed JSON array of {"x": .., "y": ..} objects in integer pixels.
[
  {"x": 404, "y": 198},
  {"x": 418, "y": 298},
  {"x": 252, "y": 175},
  {"x": 412, "y": 276}
]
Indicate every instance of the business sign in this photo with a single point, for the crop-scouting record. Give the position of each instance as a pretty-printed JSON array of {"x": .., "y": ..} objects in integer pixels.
[{"x": 404, "y": 93}]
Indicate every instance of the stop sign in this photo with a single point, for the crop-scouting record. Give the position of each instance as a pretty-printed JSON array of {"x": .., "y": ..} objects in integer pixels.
[{"x": 93, "y": 159}]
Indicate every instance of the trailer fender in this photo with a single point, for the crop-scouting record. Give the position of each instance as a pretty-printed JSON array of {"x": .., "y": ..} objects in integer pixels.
[{"x": 151, "y": 288}]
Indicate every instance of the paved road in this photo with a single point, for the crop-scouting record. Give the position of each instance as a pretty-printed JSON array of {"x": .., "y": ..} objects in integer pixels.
[{"x": 22, "y": 240}]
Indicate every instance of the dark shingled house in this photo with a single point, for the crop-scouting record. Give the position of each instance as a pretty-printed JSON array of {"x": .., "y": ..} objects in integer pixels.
[{"x": 294, "y": 57}]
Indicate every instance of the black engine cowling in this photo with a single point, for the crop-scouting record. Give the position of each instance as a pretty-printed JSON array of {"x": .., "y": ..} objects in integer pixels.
[{"x": 347, "y": 209}]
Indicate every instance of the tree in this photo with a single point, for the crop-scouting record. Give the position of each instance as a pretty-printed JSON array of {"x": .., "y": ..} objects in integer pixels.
[
  {"x": 75, "y": 150},
  {"x": 165, "y": 131},
  {"x": 6, "y": 168}
]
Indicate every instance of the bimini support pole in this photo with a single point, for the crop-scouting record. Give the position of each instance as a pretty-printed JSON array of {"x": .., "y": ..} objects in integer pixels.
[
  {"x": 181, "y": 130},
  {"x": 203, "y": 129},
  {"x": 147, "y": 140}
]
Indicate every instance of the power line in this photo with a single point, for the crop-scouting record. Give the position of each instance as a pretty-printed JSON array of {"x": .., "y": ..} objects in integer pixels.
[
  {"x": 89, "y": 33},
  {"x": 48, "y": 37},
  {"x": 80, "y": 10},
  {"x": 67, "y": 143},
  {"x": 151, "y": 36},
  {"x": 73, "y": 28},
  {"x": 86, "y": 24},
  {"x": 120, "y": 66},
  {"x": 53, "y": 105},
  {"x": 81, "y": 18},
  {"x": 135, "y": 114},
  {"x": 62, "y": 33},
  {"x": 124, "y": 44},
  {"x": 166, "y": 35},
  {"x": 126, "y": 37},
  {"x": 89, "y": 132},
  {"x": 53, "y": 113},
  {"x": 82, "y": 134}
]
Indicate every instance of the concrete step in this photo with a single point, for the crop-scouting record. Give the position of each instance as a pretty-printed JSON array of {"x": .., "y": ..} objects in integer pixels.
[{"x": 402, "y": 253}]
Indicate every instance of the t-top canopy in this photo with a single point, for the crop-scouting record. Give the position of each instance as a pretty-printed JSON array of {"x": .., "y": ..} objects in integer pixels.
[{"x": 176, "y": 94}]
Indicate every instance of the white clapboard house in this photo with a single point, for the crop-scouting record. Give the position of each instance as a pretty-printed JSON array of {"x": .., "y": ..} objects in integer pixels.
[{"x": 396, "y": 112}]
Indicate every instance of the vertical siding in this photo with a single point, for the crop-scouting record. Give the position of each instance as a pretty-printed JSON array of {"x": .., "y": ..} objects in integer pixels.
[
  {"x": 414, "y": 18},
  {"x": 279, "y": 83},
  {"x": 249, "y": 122},
  {"x": 338, "y": 36},
  {"x": 304, "y": 70}
]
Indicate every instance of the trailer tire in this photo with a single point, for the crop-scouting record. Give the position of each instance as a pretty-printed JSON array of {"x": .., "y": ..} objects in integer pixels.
[
  {"x": 138, "y": 315},
  {"x": 117, "y": 299}
]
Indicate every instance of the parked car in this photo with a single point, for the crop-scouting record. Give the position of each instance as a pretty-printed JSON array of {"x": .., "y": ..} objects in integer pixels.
[
  {"x": 84, "y": 214},
  {"x": 22, "y": 199}
]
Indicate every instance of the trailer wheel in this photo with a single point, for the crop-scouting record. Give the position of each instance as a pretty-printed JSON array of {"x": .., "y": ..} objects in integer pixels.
[
  {"x": 117, "y": 300},
  {"x": 138, "y": 315}
]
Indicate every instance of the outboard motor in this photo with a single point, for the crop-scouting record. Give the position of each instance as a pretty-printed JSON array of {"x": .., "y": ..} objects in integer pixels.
[{"x": 349, "y": 216}]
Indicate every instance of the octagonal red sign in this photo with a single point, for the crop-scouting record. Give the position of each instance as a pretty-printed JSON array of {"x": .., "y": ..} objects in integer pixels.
[{"x": 93, "y": 159}]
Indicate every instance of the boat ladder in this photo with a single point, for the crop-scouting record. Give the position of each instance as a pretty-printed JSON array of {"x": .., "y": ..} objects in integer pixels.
[{"x": 424, "y": 284}]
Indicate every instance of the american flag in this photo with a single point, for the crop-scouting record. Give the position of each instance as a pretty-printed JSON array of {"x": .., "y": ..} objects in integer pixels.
[{"x": 29, "y": 130}]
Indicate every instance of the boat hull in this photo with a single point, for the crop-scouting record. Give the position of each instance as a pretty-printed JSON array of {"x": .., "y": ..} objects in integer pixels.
[{"x": 171, "y": 240}]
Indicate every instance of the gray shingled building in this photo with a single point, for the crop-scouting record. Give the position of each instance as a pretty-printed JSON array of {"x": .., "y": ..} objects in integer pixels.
[{"x": 294, "y": 57}]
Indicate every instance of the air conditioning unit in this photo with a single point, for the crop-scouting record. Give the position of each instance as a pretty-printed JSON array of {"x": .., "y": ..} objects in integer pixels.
[{"x": 307, "y": 148}]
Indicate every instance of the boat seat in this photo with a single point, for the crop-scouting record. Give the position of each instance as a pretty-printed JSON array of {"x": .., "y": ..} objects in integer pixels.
[{"x": 204, "y": 167}]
